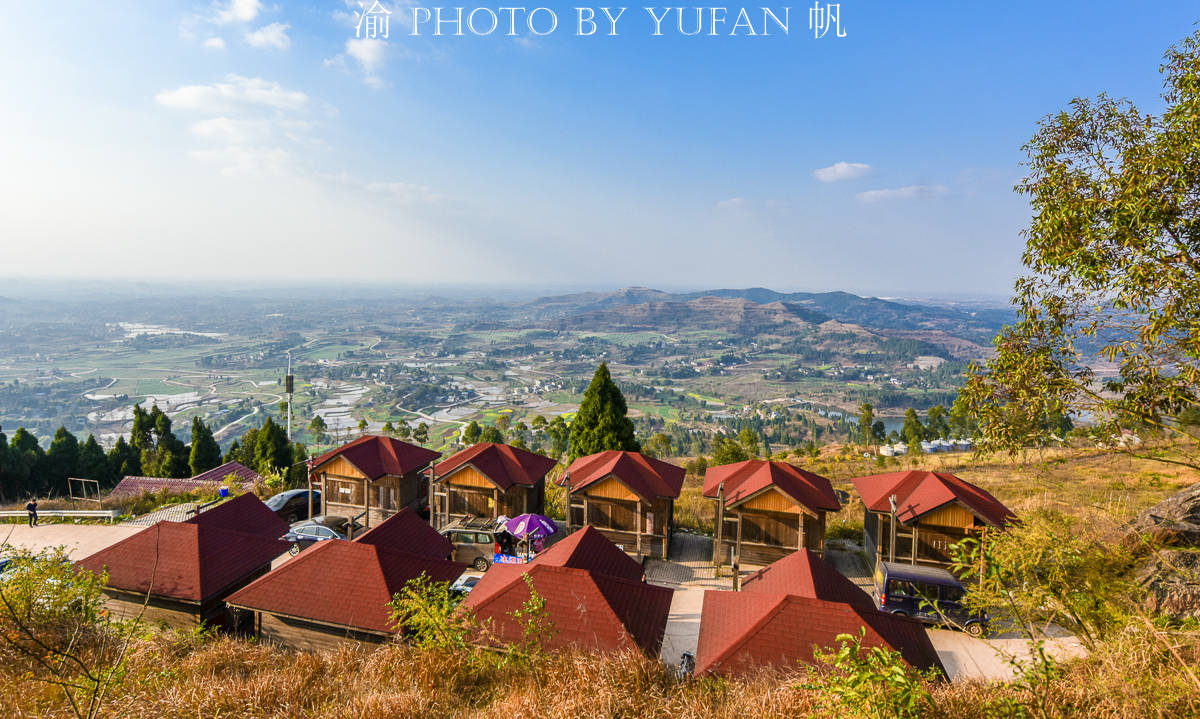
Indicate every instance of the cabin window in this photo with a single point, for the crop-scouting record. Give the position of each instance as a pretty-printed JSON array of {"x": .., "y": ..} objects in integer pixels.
[
  {"x": 388, "y": 497},
  {"x": 477, "y": 504},
  {"x": 616, "y": 515}
]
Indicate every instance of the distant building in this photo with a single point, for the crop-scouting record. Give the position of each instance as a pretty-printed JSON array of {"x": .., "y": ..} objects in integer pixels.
[
  {"x": 933, "y": 511},
  {"x": 767, "y": 510},
  {"x": 628, "y": 496}
]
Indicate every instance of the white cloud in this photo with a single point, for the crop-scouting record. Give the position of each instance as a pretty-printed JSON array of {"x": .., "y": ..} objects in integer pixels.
[
  {"x": 732, "y": 203},
  {"x": 839, "y": 171},
  {"x": 236, "y": 93},
  {"x": 368, "y": 53},
  {"x": 214, "y": 43},
  {"x": 273, "y": 35},
  {"x": 238, "y": 11},
  {"x": 246, "y": 160},
  {"x": 911, "y": 192}
]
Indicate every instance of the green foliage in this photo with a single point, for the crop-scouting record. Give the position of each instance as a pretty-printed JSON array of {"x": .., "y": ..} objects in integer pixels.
[
  {"x": 94, "y": 464},
  {"x": 472, "y": 432},
  {"x": 204, "y": 454},
  {"x": 124, "y": 459},
  {"x": 162, "y": 453},
  {"x": 1113, "y": 259},
  {"x": 871, "y": 682},
  {"x": 272, "y": 451},
  {"x": 727, "y": 451},
  {"x": 913, "y": 430},
  {"x": 659, "y": 445},
  {"x": 420, "y": 435},
  {"x": 426, "y": 613},
  {"x": 748, "y": 438},
  {"x": 601, "y": 423},
  {"x": 491, "y": 434},
  {"x": 1049, "y": 568},
  {"x": 61, "y": 460}
]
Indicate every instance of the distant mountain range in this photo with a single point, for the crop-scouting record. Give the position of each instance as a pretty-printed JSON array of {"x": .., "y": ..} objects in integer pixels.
[{"x": 753, "y": 308}]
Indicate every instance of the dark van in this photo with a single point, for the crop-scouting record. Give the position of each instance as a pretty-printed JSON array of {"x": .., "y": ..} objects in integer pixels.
[{"x": 927, "y": 594}]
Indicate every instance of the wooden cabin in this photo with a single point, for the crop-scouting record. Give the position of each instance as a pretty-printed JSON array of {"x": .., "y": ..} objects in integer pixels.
[
  {"x": 178, "y": 574},
  {"x": 594, "y": 594},
  {"x": 372, "y": 478},
  {"x": 488, "y": 481},
  {"x": 766, "y": 510},
  {"x": 933, "y": 510},
  {"x": 628, "y": 496},
  {"x": 335, "y": 593}
]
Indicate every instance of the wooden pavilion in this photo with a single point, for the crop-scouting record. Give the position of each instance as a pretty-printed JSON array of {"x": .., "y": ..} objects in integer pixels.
[
  {"x": 488, "y": 481},
  {"x": 372, "y": 478}
]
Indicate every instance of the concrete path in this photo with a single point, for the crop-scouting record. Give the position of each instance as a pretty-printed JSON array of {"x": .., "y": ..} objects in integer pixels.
[
  {"x": 993, "y": 659},
  {"x": 80, "y": 540},
  {"x": 683, "y": 625}
]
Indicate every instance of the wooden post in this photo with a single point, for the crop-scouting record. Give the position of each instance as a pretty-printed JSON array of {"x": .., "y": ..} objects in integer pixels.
[
  {"x": 719, "y": 530},
  {"x": 308, "y": 474},
  {"x": 495, "y": 502},
  {"x": 435, "y": 515},
  {"x": 367, "y": 503},
  {"x": 914, "y": 544},
  {"x": 737, "y": 555},
  {"x": 800, "y": 532},
  {"x": 638, "y": 526}
]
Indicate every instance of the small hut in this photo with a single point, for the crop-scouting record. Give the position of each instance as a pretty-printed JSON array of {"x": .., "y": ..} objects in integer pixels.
[
  {"x": 372, "y": 478},
  {"x": 628, "y": 496},
  {"x": 767, "y": 510},
  {"x": 338, "y": 592},
  {"x": 932, "y": 510},
  {"x": 488, "y": 481}
]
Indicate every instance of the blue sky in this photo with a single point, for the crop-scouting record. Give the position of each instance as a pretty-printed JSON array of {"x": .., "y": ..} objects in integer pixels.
[{"x": 247, "y": 140}]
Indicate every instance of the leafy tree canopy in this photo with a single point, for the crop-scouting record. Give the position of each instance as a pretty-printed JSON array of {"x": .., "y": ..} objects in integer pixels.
[{"x": 601, "y": 423}]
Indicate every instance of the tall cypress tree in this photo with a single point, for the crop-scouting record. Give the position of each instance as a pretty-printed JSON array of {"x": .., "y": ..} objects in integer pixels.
[
  {"x": 124, "y": 460},
  {"x": 601, "y": 423},
  {"x": 204, "y": 454},
  {"x": 61, "y": 460},
  {"x": 7, "y": 486},
  {"x": 93, "y": 464},
  {"x": 272, "y": 451}
]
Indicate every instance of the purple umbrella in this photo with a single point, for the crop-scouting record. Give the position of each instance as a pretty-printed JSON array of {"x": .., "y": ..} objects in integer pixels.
[{"x": 530, "y": 525}]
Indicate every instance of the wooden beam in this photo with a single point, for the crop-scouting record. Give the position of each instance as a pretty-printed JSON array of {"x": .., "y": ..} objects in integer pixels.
[
  {"x": 638, "y": 527},
  {"x": 719, "y": 538}
]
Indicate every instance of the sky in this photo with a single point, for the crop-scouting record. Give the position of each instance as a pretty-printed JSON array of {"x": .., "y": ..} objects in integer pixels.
[{"x": 250, "y": 141}]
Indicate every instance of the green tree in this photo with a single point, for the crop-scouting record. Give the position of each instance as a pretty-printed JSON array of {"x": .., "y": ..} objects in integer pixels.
[
  {"x": 659, "y": 445},
  {"x": 471, "y": 432},
  {"x": 936, "y": 424},
  {"x": 124, "y": 459},
  {"x": 272, "y": 451},
  {"x": 421, "y": 433},
  {"x": 491, "y": 434},
  {"x": 24, "y": 456},
  {"x": 1113, "y": 269},
  {"x": 205, "y": 453},
  {"x": 7, "y": 485},
  {"x": 727, "y": 451},
  {"x": 560, "y": 436},
  {"x": 538, "y": 422},
  {"x": 403, "y": 431},
  {"x": 913, "y": 430},
  {"x": 503, "y": 422},
  {"x": 389, "y": 428},
  {"x": 61, "y": 460},
  {"x": 601, "y": 423},
  {"x": 93, "y": 464},
  {"x": 748, "y": 438},
  {"x": 362, "y": 426},
  {"x": 318, "y": 428},
  {"x": 866, "y": 425}
]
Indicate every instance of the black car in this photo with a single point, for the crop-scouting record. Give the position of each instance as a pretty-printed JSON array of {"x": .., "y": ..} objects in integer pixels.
[
  {"x": 292, "y": 505},
  {"x": 308, "y": 532},
  {"x": 927, "y": 594}
]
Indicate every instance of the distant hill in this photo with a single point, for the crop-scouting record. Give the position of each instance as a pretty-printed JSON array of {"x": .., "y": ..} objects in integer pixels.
[
  {"x": 645, "y": 306},
  {"x": 702, "y": 313}
]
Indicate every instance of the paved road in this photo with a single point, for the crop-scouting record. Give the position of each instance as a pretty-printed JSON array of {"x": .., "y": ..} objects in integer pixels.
[
  {"x": 80, "y": 540},
  {"x": 992, "y": 659}
]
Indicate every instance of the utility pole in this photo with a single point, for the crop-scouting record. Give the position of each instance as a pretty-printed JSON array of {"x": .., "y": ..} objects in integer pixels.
[{"x": 288, "y": 386}]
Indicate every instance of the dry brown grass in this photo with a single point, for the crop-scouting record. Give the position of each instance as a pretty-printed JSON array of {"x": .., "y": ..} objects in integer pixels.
[{"x": 170, "y": 676}]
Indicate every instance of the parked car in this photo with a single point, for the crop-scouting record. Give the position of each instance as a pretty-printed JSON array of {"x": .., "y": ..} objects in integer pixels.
[
  {"x": 463, "y": 585},
  {"x": 477, "y": 541},
  {"x": 305, "y": 533},
  {"x": 927, "y": 594},
  {"x": 292, "y": 505}
]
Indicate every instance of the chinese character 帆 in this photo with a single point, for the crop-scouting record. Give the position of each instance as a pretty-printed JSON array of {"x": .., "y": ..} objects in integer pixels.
[{"x": 822, "y": 18}]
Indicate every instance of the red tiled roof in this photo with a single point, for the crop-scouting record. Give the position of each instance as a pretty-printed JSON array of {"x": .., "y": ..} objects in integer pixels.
[
  {"x": 744, "y": 632},
  {"x": 745, "y": 479},
  {"x": 237, "y": 469},
  {"x": 348, "y": 584},
  {"x": 502, "y": 464},
  {"x": 919, "y": 492},
  {"x": 588, "y": 549},
  {"x": 131, "y": 485},
  {"x": 805, "y": 574},
  {"x": 184, "y": 560},
  {"x": 588, "y": 609},
  {"x": 244, "y": 513},
  {"x": 648, "y": 478},
  {"x": 405, "y": 531},
  {"x": 377, "y": 456}
]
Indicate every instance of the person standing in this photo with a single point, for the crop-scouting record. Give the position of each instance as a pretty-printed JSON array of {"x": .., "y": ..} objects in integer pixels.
[{"x": 32, "y": 509}]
